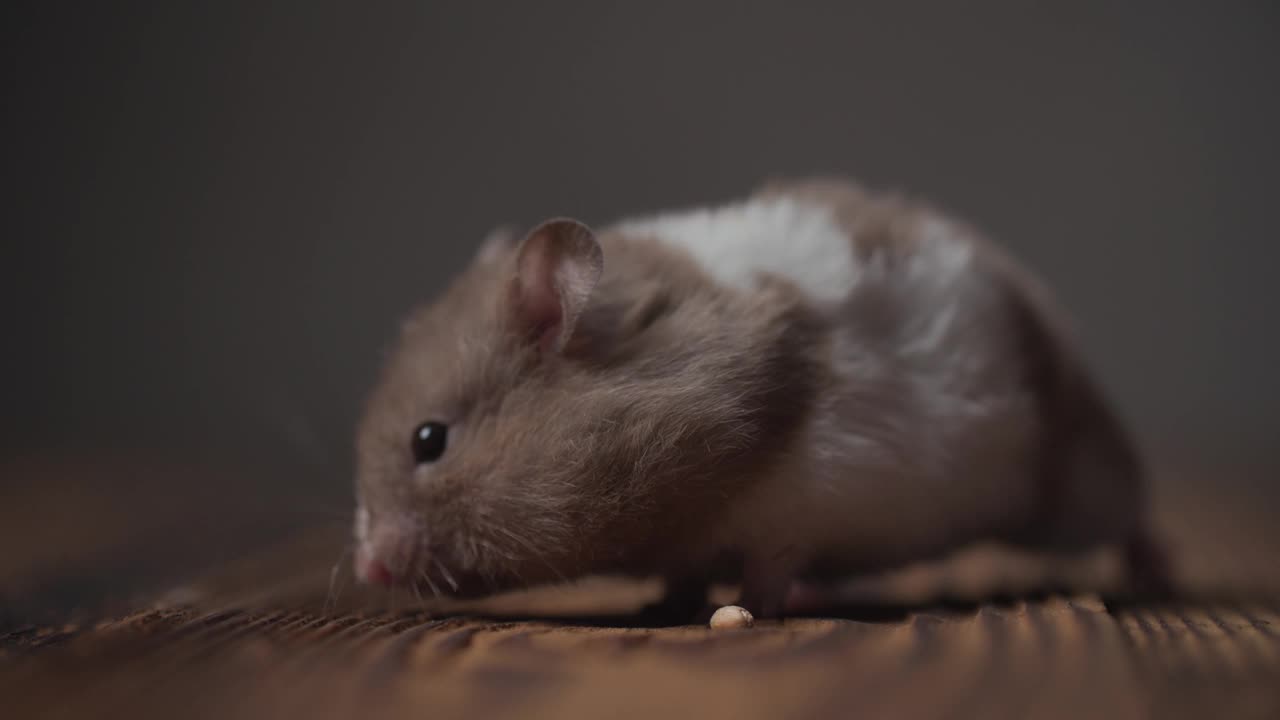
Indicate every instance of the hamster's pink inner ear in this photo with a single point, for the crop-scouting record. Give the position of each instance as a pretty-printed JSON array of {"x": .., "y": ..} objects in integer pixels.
[{"x": 559, "y": 263}]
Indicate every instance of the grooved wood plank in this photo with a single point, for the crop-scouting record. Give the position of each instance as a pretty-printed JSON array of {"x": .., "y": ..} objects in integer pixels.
[{"x": 982, "y": 635}]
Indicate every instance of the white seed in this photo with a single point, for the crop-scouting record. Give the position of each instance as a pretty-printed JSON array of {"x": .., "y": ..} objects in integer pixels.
[{"x": 731, "y": 617}]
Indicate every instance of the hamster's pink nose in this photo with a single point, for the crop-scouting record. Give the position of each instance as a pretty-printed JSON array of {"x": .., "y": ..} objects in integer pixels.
[
  {"x": 387, "y": 551},
  {"x": 376, "y": 572},
  {"x": 372, "y": 569}
]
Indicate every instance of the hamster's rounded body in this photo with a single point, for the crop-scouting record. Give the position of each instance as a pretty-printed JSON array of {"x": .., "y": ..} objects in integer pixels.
[{"x": 814, "y": 381}]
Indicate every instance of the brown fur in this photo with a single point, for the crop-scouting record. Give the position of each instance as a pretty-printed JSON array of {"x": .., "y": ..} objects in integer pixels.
[
  {"x": 638, "y": 417},
  {"x": 600, "y": 459}
]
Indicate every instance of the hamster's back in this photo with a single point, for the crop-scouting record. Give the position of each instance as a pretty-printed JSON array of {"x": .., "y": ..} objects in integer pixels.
[
  {"x": 960, "y": 408},
  {"x": 992, "y": 360}
]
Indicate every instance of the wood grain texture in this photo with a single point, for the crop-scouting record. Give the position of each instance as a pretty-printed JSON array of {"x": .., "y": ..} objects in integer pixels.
[{"x": 982, "y": 635}]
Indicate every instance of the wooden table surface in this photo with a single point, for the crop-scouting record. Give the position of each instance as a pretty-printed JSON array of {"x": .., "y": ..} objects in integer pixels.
[{"x": 276, "y": 634}]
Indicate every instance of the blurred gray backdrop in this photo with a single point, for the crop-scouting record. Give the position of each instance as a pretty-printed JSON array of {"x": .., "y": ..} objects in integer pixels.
[{"x": 214, "y": 214}]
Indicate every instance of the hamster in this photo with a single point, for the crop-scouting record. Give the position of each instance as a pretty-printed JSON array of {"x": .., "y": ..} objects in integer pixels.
[{"x": 812, "y": 382}]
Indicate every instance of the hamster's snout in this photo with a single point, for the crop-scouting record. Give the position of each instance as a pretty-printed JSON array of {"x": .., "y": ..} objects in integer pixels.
[
  {"x": 385, "y": 551},
  {"x": 371, "y": 571}
]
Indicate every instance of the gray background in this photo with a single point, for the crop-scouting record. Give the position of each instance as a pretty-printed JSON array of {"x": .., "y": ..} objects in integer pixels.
[{"x": 214, "y": 217}]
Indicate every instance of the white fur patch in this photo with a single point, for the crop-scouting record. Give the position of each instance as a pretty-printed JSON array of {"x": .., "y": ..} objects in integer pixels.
[
  {"x": 736, "y": 243},
  {"x": 362, "y": 523}
]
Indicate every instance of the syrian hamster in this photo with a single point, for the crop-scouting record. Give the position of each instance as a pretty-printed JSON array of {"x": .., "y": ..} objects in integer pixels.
[{"x": 811, "y": 382}]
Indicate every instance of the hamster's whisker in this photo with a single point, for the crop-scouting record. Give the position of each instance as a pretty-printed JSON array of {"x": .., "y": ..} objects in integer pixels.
[
  {"x": 425, "y": 575},
  {"x": 418, "y": 594},
  {"x": 474, "y": 547},
  {"x": 330, "y": 596},
  {"x": 448, "y": 576}
]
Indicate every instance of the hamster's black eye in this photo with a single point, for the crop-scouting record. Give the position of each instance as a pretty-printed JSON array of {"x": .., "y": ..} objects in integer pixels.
[{"x": 429, "y": 441}]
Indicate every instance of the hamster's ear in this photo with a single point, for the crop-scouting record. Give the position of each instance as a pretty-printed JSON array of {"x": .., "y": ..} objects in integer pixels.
[
  {"x": 497, "y": 243},
  {"x": 558, "y": 265}
]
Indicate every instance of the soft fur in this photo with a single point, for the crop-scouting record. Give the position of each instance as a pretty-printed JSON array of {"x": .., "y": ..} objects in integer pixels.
[{"x": 810, "y": 414}]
